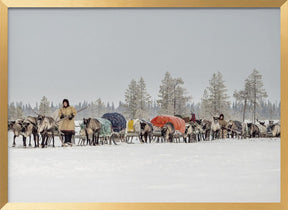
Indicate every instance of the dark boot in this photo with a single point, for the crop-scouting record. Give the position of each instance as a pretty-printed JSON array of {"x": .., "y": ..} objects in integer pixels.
[
  {"x": 69, "y": 140},
  {"x": 66, "y": 138}
]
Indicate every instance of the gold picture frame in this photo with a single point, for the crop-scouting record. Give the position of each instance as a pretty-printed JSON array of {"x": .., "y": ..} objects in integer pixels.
[{"x": 6, "y": 4}]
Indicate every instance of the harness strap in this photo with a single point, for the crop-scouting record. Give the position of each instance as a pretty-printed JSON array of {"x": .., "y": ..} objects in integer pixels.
[{"x": 35, "y": 125}]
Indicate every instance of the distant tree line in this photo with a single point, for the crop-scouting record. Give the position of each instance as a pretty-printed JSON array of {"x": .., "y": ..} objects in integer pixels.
[{"x": 249, "y": 103}]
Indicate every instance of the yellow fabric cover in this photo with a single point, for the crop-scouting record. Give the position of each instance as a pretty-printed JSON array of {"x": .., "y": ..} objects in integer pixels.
[{"x": 130, "y": 126}]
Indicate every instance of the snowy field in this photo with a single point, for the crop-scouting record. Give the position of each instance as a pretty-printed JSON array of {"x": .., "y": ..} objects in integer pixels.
[{"x": 216, "y": 171}]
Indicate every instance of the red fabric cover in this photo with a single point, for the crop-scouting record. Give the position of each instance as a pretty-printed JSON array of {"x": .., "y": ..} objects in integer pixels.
[{"x": 161, "y": 120}]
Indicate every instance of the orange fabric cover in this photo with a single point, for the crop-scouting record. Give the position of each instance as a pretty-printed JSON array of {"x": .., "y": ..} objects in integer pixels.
[{"x": 161, "y": 120}]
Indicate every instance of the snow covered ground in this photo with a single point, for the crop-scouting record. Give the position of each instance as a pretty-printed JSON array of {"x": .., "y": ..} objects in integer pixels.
[{"x": 216, "y": 171}]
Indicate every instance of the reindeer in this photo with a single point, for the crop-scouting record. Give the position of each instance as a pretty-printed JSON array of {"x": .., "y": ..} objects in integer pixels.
[
  {"x": 17, "y": 128},
  {"x": 82, "y": 136},
  {"x": 206, "y": 129},
  {"x": 215, "y": 128},
  {"x": 177, "y": 136},
  {"x": 253, "y": 130},
  {"x": 245, "y": 130},
  {"x": 146, "y": 131},
  {"x": 189, "y": 133},
  {"x": 47, "y": 128},
  {"x": 30, "y": 128},
  {"x": 262, "y": 128},
  {"x": 234, "y": 128},
  {"x": 194, "y": 131},
  {"x": 92, "y": 126},
  {"x": 168, "y": 131},
  {"x": 274, "y": 130},
  {"x": 198, "y": 131},
  {"x": 10, "y": 124},
  {"x": 199, "y": 121},
  {"x": 157, "y": 134}
]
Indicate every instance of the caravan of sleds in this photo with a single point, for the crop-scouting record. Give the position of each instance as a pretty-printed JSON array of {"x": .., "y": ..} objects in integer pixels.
[{"x": 113, "y": 128}]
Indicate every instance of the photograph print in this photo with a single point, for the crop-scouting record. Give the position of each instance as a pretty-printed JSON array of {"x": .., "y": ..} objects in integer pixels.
[{"x": 144, "y": 105}]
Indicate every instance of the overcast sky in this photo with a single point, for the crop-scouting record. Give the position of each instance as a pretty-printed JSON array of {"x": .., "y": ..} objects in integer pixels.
[{"x": 84, "y": 54}]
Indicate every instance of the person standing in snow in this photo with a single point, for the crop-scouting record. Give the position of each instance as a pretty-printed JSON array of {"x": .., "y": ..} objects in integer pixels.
[
  {"x": 223, "y": 124},
  {"x": 193, "y": 118},
  {"x": 66, "y": 124}
]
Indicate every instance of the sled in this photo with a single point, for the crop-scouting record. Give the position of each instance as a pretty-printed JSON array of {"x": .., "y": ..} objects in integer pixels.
[{"x": 118, "y": 123}]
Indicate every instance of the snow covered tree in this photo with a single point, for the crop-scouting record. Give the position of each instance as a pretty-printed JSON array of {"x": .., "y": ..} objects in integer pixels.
[
  {"x": 173, "y": 99},
  {"x": 165, "y": 95},
  {"x": 205, "y": 105},
  {"x": 154, "y": 108},
  {"x": 112, "y": 107},
  {"x": 137, "y": 99},
  {"x": 28, "y": 110},
  {"x": 108, "y": 107},
  {"x": 122, "y": 108},
  {"x": 217, "y": 101},
  {"x": 180, "y": 99},
  {"x": 131, "y": 96},
  {"x": 96, "y": 108},
  {"x": 99, "y": 108},
  {"x": 44, "y": 107},
  {"x": 256, "y": 89},
  {"x": 11, "y": 111},
  {"x": 19, "y": 112},
  {"x": 244, "y": 96},
  {"x": 143, "y": 100},
  {"x": 36, "y": 108},
  {"x": 15, "y": 111}
]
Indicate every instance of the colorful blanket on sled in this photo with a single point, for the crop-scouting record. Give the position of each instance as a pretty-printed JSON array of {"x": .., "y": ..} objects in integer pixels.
[
  {"x": 161, "y": 120},
  {"x": 117, "y": 120}
]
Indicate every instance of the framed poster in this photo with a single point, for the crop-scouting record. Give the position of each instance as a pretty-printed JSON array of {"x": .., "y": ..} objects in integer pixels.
[{"x": 170, "y": 40}]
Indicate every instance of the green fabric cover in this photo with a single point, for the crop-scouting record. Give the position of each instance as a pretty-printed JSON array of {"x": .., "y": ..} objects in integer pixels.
[{"x": 106, "y": 127}]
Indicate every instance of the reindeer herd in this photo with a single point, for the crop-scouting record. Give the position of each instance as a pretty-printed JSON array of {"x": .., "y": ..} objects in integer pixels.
[
  {"x": 43, "y": 127},
  {"x": 96, "y": 131},
  {"x": 236, "y": 129}
]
